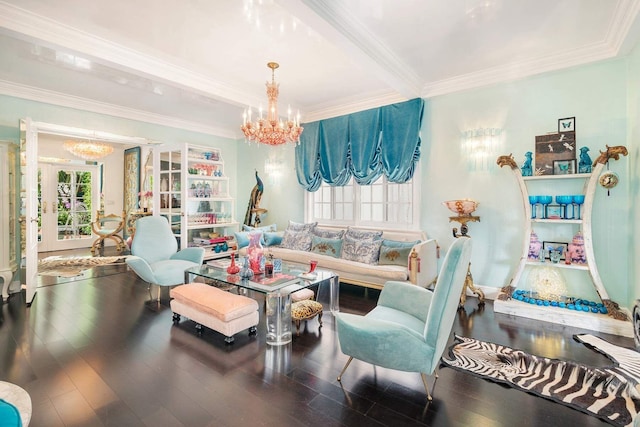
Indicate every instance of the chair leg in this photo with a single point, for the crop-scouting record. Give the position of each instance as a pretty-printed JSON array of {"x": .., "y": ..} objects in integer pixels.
[
  {"x": 159, "y": 290},
  {"x": 345, "y": 368},
  {"x": 426, "y": 385}
]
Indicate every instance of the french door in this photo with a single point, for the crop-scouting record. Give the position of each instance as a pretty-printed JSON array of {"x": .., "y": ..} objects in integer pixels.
[{"x": 68, "y": 196}]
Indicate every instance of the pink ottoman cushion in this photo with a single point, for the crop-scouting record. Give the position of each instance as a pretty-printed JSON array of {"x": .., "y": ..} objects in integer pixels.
[{"x": 207, "y": 299}]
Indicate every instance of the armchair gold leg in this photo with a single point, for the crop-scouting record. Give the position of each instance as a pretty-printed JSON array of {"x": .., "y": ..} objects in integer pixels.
[
  {"x": 345, "y": 368},
  {"x": 426, "y": 384}
]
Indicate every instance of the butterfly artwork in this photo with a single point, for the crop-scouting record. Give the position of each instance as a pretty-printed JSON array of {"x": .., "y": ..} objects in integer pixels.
[{"x": 567, "y": 125}]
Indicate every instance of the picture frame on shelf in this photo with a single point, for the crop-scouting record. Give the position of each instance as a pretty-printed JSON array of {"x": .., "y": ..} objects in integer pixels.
[
  {"x": 564, "y": 167},
  {"x": 552, "y": 147},
  {"x": 568, "y": 124},
  {"x": 554, "y": 212},
  {"x": 548, "y": 246}
]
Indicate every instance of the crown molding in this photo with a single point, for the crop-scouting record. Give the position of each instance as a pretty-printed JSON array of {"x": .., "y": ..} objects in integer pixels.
[
  {"x": 55, "y": 35},
  {"x": 70, "y": 101},
  {"x": 625, "y": 27},
  {"x": 519, "y": 70}
]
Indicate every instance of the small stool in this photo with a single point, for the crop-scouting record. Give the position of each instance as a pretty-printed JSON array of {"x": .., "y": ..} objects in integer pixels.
[
  {"x": 304, "y": 310},
  {"x": 303, "y": 294},
  {"x": 19, "y": 400},
  {"x": 221, "y": 311}
]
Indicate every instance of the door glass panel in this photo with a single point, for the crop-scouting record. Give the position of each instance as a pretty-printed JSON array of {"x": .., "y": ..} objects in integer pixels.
[{"x": 74, "y": 204}]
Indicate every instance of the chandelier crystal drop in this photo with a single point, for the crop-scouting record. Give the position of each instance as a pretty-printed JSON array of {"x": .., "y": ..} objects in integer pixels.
[
  {"x": 272, "y": 130},
  {"x": 88, "y": 150}
]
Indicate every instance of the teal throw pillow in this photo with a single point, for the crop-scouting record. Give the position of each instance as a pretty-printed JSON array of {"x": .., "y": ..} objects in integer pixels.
[
  {"x": 394, "y": 252},
  {"x": 272, "y": 238},
  {"x": 9, "y": 415},
  {"x": 264, "y": 228},
  {"x": 326, "y": 246}
]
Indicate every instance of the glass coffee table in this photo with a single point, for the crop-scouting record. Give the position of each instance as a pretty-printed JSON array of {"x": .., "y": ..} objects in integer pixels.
[{"x": 278, "y": 291}]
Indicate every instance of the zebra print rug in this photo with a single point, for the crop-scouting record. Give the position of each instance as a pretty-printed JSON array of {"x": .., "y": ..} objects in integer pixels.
[
  {"x": 74, "y": 266},
  {"x": 611, "y": 393}
]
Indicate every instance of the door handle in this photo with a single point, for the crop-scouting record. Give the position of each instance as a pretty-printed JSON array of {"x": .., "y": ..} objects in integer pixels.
[
  {"x": 34, "y": 219},
  {"x": 44, "y": 207},
  {"x": 54, "y": 207}
]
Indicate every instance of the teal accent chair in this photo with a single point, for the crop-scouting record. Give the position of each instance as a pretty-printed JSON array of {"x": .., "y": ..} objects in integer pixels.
[
  {"x": 154, "y": 254},
  {"x": 409, "y": 328}
]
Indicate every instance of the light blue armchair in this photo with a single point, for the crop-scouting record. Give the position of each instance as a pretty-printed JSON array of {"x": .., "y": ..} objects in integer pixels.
[
  {"x": 409, "y": 328},
  {"x": 154, "y": 254}
]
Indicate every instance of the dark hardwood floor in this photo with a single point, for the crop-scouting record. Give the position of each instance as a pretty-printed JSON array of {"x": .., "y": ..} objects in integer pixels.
[{"x": 96, "y": 351}]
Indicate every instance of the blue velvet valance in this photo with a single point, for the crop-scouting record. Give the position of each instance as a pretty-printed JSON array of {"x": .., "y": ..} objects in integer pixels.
[{"x": 364, "y": 145}]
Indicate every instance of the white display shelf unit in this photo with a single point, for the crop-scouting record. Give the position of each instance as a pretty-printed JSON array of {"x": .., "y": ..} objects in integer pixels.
[
  {"x": 616, "y": 321},
  {"x": 193, "y": 193}
]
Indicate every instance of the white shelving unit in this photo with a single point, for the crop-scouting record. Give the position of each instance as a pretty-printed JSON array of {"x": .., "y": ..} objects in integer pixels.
[
  {"x": 616, "y": 321},
  {"x": 193, "y": 193},
  {"x": 8, "y": 215}
]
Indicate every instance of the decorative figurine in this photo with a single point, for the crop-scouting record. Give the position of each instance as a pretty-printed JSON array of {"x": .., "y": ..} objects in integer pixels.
[
  {"x": 245, "y": 271},
  {"x": 233, "y": 268},
  {"x": 535, "y": 246},
  {"x": 555, "y": 254},
  {"x": 526, "y": 166},
  {"x": 584, "y": 165},
  {"x": 575, "y": 251}
]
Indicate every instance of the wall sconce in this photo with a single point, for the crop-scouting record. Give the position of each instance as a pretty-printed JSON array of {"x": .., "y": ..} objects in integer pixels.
[
  {"x": 479, "y": 147},
  {"x": 274, "y": 169}
]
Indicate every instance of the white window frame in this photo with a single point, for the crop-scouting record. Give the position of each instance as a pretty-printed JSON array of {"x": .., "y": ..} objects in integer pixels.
[{"x": 415, "y": 208}]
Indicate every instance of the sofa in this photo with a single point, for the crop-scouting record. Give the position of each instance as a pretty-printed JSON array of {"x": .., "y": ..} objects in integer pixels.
[{"x": 359, "y": 256}]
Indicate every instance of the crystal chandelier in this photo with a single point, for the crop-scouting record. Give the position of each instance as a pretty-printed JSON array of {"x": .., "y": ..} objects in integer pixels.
[
  {"x": 88, "y": 150},
  {"x": 271, "y": 131}
]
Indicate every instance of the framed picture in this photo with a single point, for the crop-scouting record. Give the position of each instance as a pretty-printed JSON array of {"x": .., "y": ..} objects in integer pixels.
[
  {"x": 564, "y": 167},
  {"x": 567, "y": 125},
  {"x": 554, "y": 212},
  {"x": 552, "y": 147},
  {"x": 549, "y": 246}
]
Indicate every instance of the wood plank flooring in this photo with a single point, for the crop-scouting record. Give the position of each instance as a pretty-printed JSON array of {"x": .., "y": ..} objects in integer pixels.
[{"x": 97, "y": 351}]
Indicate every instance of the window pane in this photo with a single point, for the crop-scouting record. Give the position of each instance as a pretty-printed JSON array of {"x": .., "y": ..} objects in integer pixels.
[
  {"x": 348, "y": 212},
  {"x": 377, "y": 193},
  {"x": 377, "y": 213},
  {"x": 326, "y": 211},
  {"x": 339, "y": 211},
  {"x": 348, "y": 193},
  {"x": 339, "y": 191},
  {"x": 326, "y": 192},
  {"x": 365, "y": 193}
]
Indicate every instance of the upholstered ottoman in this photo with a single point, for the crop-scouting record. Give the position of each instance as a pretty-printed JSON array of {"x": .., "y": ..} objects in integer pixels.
[
  {"x": 305, "y": 310},
  {"x": 221, "y": 311}
]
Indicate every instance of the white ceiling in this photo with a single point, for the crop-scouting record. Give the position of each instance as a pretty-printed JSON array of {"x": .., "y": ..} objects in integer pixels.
[{"x": 196, "y": 64}]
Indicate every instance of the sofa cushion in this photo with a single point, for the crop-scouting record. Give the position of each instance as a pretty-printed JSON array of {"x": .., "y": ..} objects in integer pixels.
[
  {"x": 362, "y": 250},
  {"x": 328, "y": 234},
  {"x": 326, "y": 246},
  {"x": 347, "y": 270},
  {"x": 357, "y": 234},
  {"x": 296, "y": 226},
  {"x": 273, "y": 238},
  {"x": 394, "y": 252},
  {"x": 298, "y": 240}
]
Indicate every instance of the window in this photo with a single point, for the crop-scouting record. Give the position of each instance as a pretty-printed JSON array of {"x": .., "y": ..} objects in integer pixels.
[{"x": 382, "y": 203}]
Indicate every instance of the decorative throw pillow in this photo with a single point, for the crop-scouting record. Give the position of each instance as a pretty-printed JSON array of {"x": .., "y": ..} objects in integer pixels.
[
  {"x": 296, "y": 226},
  {"x": 242, "y": 238},
  {"x": 273, "y": 238},
  {"x": 297, "y": 240},
  {"x": 265, "y": 228},
  {"x": 356, "y": 234},
  {"x": 365, "y": 251},
  {"x": 393, "y": 252},
  {"x": 328, "y": 234},
  {"x": 326, "y": 246}
]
